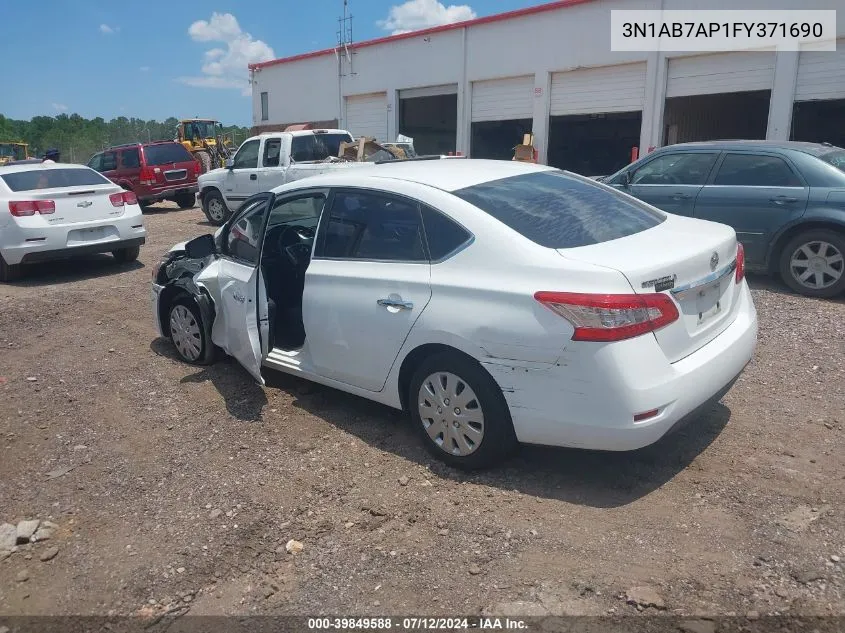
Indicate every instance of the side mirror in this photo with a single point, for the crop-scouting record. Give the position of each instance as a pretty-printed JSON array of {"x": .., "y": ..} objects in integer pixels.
[
  {"x": 201, "y": 247},
  {"x": 230, "y": 163}
]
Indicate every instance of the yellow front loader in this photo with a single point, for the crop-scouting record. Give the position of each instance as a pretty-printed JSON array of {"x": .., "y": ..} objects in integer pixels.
[{"x": 204, "y": 138}]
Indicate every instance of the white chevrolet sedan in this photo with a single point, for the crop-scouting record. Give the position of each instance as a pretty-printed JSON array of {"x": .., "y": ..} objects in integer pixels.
[
  {"x": 497, "y": 302},
  {"x": 55, "y": 210}
]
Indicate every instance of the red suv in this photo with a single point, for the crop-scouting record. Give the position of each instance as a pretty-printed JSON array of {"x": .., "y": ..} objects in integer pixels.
[{"x": 163, "y": 170}]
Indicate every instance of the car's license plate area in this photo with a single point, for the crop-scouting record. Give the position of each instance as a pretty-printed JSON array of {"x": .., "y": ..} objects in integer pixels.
[
  {"x": 708, "y": 302},
  {"x": 77, "y": 237}
]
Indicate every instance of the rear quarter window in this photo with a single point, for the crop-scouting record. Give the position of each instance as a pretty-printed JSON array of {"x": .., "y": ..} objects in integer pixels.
[
  {"x": 560, "y": 210},
  {"x": 167, "y": 153},
  {"x": 53, "y": 179}
]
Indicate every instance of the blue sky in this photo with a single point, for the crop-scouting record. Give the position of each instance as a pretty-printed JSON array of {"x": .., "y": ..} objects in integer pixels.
[{"x": 154, "y": 58}]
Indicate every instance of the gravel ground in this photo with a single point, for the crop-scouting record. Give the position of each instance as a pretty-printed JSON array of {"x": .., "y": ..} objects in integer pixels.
[{"x": 171, "y": 485}]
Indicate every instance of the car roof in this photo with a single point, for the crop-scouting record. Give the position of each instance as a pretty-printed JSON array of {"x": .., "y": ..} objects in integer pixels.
[
  {"x": 448, "y": 175},
  {"x": 801, "y": 146},
  {"x": 14, "y": 168}
]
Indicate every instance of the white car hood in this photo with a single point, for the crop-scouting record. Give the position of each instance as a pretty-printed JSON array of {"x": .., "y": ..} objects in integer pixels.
[{"x": 211, "y": 175}]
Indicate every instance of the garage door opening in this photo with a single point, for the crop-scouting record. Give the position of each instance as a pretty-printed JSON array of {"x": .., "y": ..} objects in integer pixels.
[
  {"x": 593, "y": 144},
  {"x": 725, "y": 116},
  {"x": 496, "y": 139},
  {"x": 819, "y": 121},
  {"x": 431, "y": 121}
]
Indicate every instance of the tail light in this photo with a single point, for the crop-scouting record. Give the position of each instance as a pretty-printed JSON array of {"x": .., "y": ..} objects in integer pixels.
[
  {"x": 740, "y": 262},
  {"x": 598, "y": 317},
  {"x": 23, "y": 208},
  {"x": 197, "y": 168},
  {"x": 123, "y": 197},
  {"x": 147, "y": 176}
]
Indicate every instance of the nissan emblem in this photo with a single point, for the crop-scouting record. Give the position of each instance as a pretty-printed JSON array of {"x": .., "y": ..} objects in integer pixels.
[{"x": 714, "y": 260}]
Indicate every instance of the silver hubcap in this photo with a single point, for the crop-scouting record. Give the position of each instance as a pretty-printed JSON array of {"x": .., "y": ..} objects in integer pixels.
[
  {"x": 451, "y": 414},
  {"x": 215, "y": 209},
  {"x": 185, "y": 332},
  {"x": 817, "y": 265}
]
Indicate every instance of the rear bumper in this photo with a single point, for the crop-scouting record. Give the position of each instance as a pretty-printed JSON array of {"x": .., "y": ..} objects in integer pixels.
[
  {"x": 168, "y": 192},
  {"x": 589, "y": 399},
  {"x": 37, "y": 244}
]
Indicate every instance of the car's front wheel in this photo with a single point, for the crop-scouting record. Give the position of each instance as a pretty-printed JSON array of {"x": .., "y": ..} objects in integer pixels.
[
  {"x": 460, "y": 412},
  {"x": 188, "y": 334},
  {"x": 813, "y": 263},
  {"x": 215, "y": 208}
]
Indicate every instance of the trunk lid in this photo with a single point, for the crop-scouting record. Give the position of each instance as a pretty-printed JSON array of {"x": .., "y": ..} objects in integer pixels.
[
  {"x": 693, "y": 261},
  {"x": 75, "y": 205}
]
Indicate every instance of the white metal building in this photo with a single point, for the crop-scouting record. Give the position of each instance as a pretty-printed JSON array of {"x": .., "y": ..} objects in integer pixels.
[{"x": 476, "y": 87}]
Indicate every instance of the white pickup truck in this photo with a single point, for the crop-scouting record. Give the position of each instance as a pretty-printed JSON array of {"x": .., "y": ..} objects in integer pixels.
[{"x": 268, "y": 160}]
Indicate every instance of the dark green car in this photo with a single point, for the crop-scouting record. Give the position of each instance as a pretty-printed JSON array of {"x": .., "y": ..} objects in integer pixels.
[{"x": 786, "y": 201}]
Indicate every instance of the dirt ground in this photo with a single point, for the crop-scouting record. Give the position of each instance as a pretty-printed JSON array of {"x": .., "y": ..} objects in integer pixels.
[{"x": 172, "y": 485}]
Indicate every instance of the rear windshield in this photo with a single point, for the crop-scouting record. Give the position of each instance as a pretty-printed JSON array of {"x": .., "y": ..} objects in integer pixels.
[
  {"x": 168, "y": 153},
  {"x": 53, "y": 179},
  {"x": 835, "y": 158},
  {"x": 559, "y": 210},
  {"x": 316, "y": 146}
]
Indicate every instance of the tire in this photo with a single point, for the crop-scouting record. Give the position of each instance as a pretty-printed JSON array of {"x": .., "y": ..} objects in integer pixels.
[
  {"x": 204, "y": 160},
  {"x": 125, "y": 255},
  {"x": 482, "y": 416},
  {"x": 10, "y": 272},
  {"x": 819, "y": 253},
  {"x": 186, "y": 201},
  {"x": 187, "y": 332},
  {"x": 215, "y": 208}
]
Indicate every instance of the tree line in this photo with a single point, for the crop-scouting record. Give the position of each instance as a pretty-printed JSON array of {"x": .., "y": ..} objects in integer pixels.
[{"x": 78, "y": 138}]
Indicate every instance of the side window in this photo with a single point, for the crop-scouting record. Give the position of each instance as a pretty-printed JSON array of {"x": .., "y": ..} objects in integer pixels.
[
  {"x": 302, "y": 208},
  {"x": 247, "y": 156},
  {"x": 676, "y": 169},
  {"x": 364, "y": 225},
  {"x": 243, "y": 239},
  {"x": 96, "y": 162},
  {"x": 752, "y": 170},
  {"x": 109, "y": 161},
  {"x": 265, "y": 107},
  {"x": 272, "y": 150},
  {"x": 130, "y": 159},
  {"x": 442, "y": 235}
]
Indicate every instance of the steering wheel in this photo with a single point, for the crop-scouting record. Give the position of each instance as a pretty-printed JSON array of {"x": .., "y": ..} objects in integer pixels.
[{"x": 295, "y": 242}]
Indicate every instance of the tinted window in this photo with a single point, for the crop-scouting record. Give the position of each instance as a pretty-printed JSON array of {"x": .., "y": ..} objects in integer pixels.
[
  {"x": 96, "y": 162},
  {"x": 130, "y": 158},
  {"x": 242, "y": 239},
  {"x": 247, "y": 156},
  {"x": 560, "y": 210},
  {"x": 52, "y": 179},
  {"x": 752, "y": 170},
  {"x": 272, "y": 150},
  {"x": 442, "y": 235},
  {"x": 836, "y": 158},
  {"x": 109, "y": 161},
  {"x": 369, "y": 226},
  {"x": 676, "y": 169},
  {"x": 317, "y": 146},
  {"x": 166, "y": 153}
]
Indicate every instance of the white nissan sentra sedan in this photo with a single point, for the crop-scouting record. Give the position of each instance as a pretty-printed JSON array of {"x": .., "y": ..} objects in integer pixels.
[
  {"x": 497, "y": 302},
  {"x": 55, "y": 210}
]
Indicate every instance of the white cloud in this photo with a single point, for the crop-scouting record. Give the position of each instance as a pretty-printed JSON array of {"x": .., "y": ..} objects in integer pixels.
[
  {"x": 144, "y": 69},
  {"x": 60, "y": 107},
  {"x": 414, "y": 15},
  {"x": 108, "y": 30},
  {"x": 226, "y": 66}
]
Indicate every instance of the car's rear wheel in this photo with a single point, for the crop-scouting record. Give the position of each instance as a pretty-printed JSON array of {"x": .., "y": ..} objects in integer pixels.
[
  {"x": 125, "y": 255},
  {"x": 188, "y": 333},
  {"x": 813, "y": 263},
  {"x": 10, "y": 272},
  {"x": 460, "y": 412},
  {"x": 186, "y": 200},
  {"x": 215, "y": 208}
]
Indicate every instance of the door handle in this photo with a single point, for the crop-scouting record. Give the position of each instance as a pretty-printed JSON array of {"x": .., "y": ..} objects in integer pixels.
[
  {"x": 783, "y": 200},
  {"x": 681, "y": 196},
  {"x": 253, "y": 176},
  {"x": 395, "y": 303}
]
